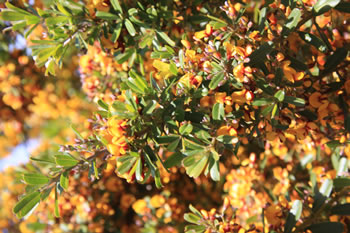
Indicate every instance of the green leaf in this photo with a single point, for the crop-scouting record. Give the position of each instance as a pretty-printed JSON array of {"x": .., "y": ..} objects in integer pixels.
[
  {"x": 274, "y": 111},
  {"x": 66, "y": 161},
  {"x": 341, "y": 182},
  {"x": 166, "y": 38},
  {"x": 313, "y": 40},
  {"x": 343, "y": 7},
  {"x": 217, "y": 19},
  {"x": 135, "y": 86},
  {"x": 127, "y": 162},
  {"x": 259, "y": 56},
  {"x": 16, "y": 9},
  {"x": 341, "y": 209},
  {"x": 333, "y": 144},
  {"x": 37, "y": 226},
  {"x": 293, "y": 216},
  {"x": 32, "y": 19},
  {"x": 174, "y": 160},
  {"x": 173, "y": 68},
  {"x": 323, "y": 6},
  {"x": 139, "y": 81},
  {"x": 195, "y": 164},
  {"x": 9, "y": 15},
  {"x": 42, "y": 160},
  {"x": 215, "y": 171},
  {"x": 280, "y": 95},
  {"x": 116, "y": 6},
  {"x": 218, "y": 111},
  {"x": 116, "y": 32},
  {"x": 77, "y": 133},
  {"x": 186, "y": 129},
  {"x": 45, "y": 194},
  {"x": 138, "y": 173},
  {"x": 26, "y": 204},
  {"x": 298, "y": 102},
  {"x": 327, "y": 227},
  {"x": 35, "y": 179},
  {"x": 102, "y": 104},
  {"x": 181, "y": 58},
  {"x": 336, "y": 58},
  {"x": 150, "y": 107},
  {"x": 322, "y": 195},
  {"x": 123, "y": 57},
  {"x": 130, "y": 27},
  {"x": 192, "y": 218},
  {"x": 106, "y": 15},
  {"x": 267, "y": 110},
  {"x": 217, "y": 78},
  {"x": 195, "y": 228},
  {"x": 292, "y": 21},
  {"x": 52, "y": 21},
  {"x": 342, "y": 167},
  {"x": 174, "y": 144},
  {"x": 146, "y": 40},
  {"x": 64, "y": 180},
  {"x": 57, "y": 211},
  {"x": 262, "y": 102},
  {"x": 326, "y": 187}
]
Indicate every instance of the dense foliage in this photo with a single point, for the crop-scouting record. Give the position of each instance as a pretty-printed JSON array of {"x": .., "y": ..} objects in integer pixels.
[{"x": 173, "y": 116}]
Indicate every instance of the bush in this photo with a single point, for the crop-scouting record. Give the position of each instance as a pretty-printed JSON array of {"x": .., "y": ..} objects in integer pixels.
[{"x": 239, "y": 109}]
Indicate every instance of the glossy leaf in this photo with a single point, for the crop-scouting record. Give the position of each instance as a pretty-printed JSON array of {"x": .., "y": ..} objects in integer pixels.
[
  {"x": 217, "y": 78},
  {"x": 64, "y": 180},
  {"x": 26, "y": 204},
  {"x": 262, "y": 102},
  {"x": 294, "y": 100},
  {"x": 341, "y": 182},
  {"x": 116, "y": 6},
  {"x": 323, "y": 6},
  {"x": 195, "y": 164},
  {"x": 327, "y": 227},
  {"x": 218, "y": 112},
  {"x": 279, "y": 95},
  {"x": 313, "y": 40},
  {"x": 166, "y": 38},
  {"x": 341, "y": 209},
  {"x": 35, "y": 179},
  {"x": 106, "y": 15},
  {"x": 293, "y": 216},
  {"x": 192, "y": 218},
  {"x": 65, "y": 161},
  {"x": 130, "y": 27},
  {"x": 292, "y": 21}
]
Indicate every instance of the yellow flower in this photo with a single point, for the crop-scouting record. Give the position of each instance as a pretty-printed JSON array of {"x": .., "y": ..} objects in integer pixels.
[
  {"x": 163, "y": 68},
  {"x": 157, "y": 201},
  {"x": 140, "y": 207}
]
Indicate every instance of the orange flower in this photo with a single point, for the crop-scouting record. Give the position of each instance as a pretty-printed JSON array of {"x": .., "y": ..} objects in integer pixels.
[
  {"x": 226, "y": 130},
  {"x": 291, "y": 74},
  {"x": 273, "y": 214},
  {"x": 314, "y": 100},
  {"x": 242, "y": 73},
  {"x": 186, "y": 43},
  {"x": 190, "y": 80},
  {"x": 220, "y": 97}
]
